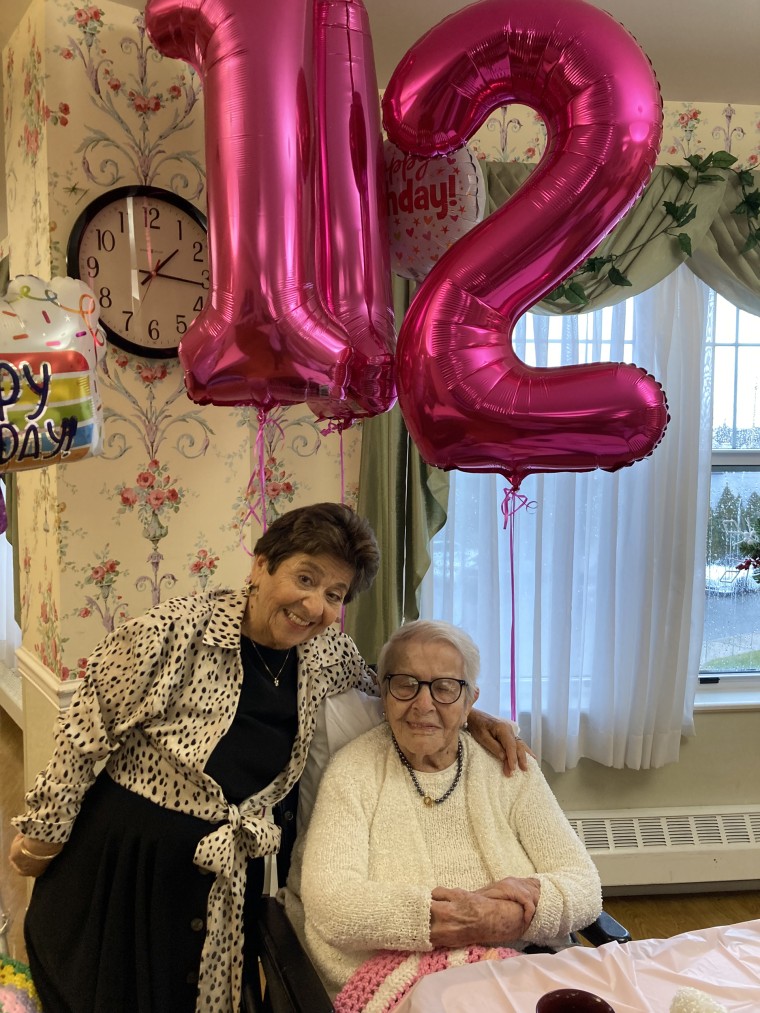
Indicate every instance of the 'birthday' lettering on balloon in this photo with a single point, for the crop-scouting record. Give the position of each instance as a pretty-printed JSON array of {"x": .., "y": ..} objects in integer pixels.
[{"x": 31, "y": 443}]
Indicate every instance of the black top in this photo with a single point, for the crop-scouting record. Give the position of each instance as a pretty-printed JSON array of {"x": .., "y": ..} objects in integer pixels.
[{"x": 259, "y": 741}]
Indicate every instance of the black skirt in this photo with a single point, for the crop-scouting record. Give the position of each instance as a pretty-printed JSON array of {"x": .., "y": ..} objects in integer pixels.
[{"x": 117, "y": 923}]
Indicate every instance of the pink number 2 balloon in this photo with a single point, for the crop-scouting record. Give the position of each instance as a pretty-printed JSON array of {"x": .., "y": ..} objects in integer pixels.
[
  {"x": 300, "y": 307},
  {"x": 468, "y": 401}
]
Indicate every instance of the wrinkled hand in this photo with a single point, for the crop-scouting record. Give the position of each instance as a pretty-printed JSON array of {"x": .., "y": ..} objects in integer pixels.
[
  {"x": 31, "y": 866},
  {"x": 523, "y": 890},
  {"x": 499, "y": 739},
  {"x": 463, "y": 918}
]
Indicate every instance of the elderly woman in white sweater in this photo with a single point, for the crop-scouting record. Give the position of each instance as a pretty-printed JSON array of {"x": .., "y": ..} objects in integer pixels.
[{"x": 417, "y": 843}]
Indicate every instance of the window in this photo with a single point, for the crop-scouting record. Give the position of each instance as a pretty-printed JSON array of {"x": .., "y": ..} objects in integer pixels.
[
  {"x": 610, "y": 573},
  {"x": 731, "y": 644}
]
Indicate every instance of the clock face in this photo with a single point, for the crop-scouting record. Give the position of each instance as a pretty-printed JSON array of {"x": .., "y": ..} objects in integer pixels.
[{"x": 144, "y": 254}]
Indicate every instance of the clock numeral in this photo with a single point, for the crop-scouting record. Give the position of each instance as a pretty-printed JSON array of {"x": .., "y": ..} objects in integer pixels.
[
  {"x": 151, "y": 215},
  {"x": 128, "y": 314},
  {"x": 198, "y": 252},
  {"x": 198, "y": 304},
  {"x": 121, "y": 221},
  {"x": 93, "y": 267},
  {"x": 153, "y": 331},
  {"x": 105, "y": 298},
  {"x": 181, "y": 324},
  {"x": 106, "y": 240},
  {"x": 204, "y": 275}
]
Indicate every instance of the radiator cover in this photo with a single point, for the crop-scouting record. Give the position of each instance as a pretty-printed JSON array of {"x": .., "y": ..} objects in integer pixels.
[{"x": 673, "y": 847}]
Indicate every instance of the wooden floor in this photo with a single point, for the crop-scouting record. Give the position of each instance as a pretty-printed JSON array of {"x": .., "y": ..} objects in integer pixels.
[{"x": 658, "y": 916}]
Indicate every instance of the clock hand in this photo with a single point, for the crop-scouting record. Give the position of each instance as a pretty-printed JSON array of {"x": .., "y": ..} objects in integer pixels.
[
  {"x": 174, "y": 277},
  {"x": 159, "y": 264}
]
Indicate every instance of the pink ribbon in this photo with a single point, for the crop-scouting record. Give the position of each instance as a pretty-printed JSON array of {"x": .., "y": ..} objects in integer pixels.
[
  {"x": 512, "y": 502},
  {"x": 260, "y": 470}
]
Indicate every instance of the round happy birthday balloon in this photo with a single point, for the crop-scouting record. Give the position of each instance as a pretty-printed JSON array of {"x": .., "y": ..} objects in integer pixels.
[
  {"x": 50, "y": 345},
  {"x": 432, "y": 202}
]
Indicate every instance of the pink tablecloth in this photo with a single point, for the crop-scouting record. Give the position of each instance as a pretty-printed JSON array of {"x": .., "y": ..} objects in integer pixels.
[{"x": 639, "y": 977}]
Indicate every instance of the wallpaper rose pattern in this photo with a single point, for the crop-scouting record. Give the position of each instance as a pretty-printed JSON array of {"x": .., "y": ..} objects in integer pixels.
[{"x": 180, "y": 494}]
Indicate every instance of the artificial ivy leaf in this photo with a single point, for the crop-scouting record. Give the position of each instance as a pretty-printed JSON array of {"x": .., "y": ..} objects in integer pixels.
[
  {"x": 707, "y": 177},
  {"x": 746, "y": 178},
  {"x": 750, "y": 206},
  {"x": 752, "y": 242},
  {"x": 692, "y": 214},
  {"x": 680, "y": 173},
  {"x": 723, "y": 159},
  {"x": 677, "y": 211},
  {"x": 618, "y": 278},
  {"x": 576, "y": 294},
  {"x": 594, "y": 264},
  {"x": 684, "y": 241}
]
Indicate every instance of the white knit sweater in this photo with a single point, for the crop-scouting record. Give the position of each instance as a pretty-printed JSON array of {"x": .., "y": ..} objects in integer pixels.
[{"x": 374, "y": 853}]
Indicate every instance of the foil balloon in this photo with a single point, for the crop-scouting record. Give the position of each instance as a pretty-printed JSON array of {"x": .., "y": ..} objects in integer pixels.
[
  {"x": 50, "y": 344},
  {"x": 432, "y": 202},
  {"x": 300, "y": 305},
  {"x": 467, "y": 399}
]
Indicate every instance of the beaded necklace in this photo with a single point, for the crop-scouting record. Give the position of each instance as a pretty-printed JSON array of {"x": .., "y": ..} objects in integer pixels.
[{"x": 427, "y": 799}]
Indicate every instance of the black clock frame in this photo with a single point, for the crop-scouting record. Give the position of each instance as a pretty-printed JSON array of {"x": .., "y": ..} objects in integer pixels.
[{"x": 84, "y": 219}]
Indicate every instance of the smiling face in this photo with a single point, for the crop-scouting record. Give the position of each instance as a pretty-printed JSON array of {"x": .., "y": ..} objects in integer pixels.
[
  {"x": 427, "y": 732},
  {"x": 300, "y": 599}
]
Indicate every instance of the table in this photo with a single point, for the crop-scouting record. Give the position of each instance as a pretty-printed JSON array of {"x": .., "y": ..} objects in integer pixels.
[{"x": 637, "y": 977}]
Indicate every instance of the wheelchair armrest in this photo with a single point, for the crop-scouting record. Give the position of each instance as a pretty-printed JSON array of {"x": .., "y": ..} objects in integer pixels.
[
  {"x": 292, "y": 983},
  {"x": 605, "y": 930}
]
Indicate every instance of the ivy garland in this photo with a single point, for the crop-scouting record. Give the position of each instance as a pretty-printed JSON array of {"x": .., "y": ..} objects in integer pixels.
[{"x": 700, "y": 172}]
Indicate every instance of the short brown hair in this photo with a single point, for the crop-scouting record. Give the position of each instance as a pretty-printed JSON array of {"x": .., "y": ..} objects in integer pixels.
[{"x": 331, "y": 529}]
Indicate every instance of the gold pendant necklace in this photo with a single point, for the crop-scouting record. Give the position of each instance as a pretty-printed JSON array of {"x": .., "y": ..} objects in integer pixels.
[{"x": 275, "y": 678}]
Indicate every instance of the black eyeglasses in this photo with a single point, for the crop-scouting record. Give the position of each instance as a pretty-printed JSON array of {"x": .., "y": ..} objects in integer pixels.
[{"x": 406, "y": 687}]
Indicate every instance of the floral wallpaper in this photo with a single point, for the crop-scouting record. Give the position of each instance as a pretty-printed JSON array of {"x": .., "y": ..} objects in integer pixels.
[
  {"x": 180, "y": 493},
  {"x": 177, "y": 499},
  {"x": 517, "y": 134}
]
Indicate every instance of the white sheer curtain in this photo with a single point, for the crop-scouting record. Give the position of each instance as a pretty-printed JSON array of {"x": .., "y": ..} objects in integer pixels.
[
  {"x": 10, "y": 635},
  {"x": 609, "y": 581}
]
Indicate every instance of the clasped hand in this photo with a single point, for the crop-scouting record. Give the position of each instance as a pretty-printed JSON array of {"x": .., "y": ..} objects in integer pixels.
[{"x": 498, "y": 913}]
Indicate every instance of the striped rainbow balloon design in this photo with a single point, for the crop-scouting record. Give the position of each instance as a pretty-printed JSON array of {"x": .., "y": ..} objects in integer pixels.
[{"x": 50, "y": 345}]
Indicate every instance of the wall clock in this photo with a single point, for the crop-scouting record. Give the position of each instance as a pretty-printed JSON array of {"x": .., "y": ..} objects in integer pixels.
[{"x": 143, "y": 252}]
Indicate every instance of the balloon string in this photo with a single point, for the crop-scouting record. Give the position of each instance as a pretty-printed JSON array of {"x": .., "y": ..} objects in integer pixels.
[
  {"x": 512, "y": 502},
  {"x": 261, "y": 450},
  {"x": 339, "y": 426},
  {"x": 342, "y": 499},
  {"x": 259, "y": 472},
  {"x": 3, "y": 514}
]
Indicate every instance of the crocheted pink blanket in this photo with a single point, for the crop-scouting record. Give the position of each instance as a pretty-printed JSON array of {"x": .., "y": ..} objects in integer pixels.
[{"x": 381, "y": 982}]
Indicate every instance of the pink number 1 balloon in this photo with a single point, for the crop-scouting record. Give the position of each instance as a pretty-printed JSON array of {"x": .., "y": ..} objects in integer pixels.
[
  {"x": 468, "y": 401},
  {"x": 300, "y": 307}
]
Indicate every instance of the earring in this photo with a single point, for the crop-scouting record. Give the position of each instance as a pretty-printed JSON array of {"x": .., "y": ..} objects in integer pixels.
[{"x": 251, "y": 588}]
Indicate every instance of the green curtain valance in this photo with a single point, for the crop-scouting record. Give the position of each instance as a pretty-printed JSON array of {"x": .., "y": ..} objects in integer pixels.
[{"x": 717, "y": 237}]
